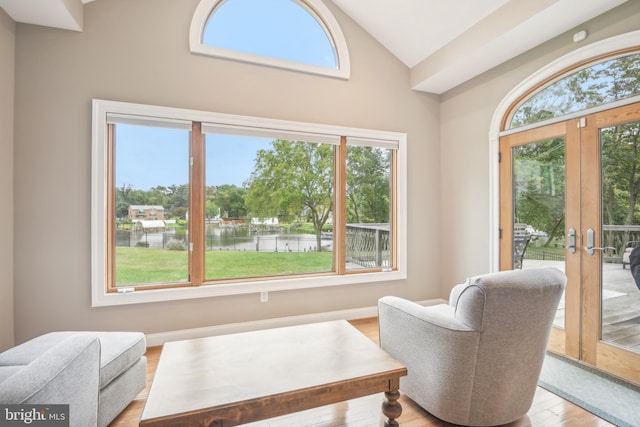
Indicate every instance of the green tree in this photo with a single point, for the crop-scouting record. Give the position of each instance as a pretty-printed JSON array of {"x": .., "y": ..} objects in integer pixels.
[
  {"x": 211, "y": 208},
  {"x": 127, "y": 196},
  {"x": 620, "y": 177},
  {"x": 158, "y": 196},
  {"x": 293, "y": 177},
  {"x": 178, "y": 197},
  {"x": 123, "y": 201},
  {"x": 539, "y": 190},
  {"x": 230, "y": 200},
  {"x": 609, "y": 81},
  {"x": 368, "y": 185}
]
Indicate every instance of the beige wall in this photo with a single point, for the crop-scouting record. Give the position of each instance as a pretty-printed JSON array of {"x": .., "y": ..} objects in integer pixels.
[
  {"x": 137, "y": 51},
  {"x": 7, "y": 63},
  {"x": 466, "y": 114}
]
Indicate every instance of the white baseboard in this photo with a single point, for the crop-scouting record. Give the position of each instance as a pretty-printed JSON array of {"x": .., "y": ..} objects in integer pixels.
[{"x": 232, "y": 328}]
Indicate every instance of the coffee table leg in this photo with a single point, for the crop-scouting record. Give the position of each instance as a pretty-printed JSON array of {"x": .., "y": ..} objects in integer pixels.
[{"x": 391, "y": 408}]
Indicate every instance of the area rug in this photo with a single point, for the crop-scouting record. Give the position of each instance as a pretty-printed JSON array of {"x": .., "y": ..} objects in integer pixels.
[{"x": 607, "y": 397}]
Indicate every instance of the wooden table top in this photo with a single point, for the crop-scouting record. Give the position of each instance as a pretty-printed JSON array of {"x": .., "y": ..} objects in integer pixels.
[{"x": 207, "y": 376}]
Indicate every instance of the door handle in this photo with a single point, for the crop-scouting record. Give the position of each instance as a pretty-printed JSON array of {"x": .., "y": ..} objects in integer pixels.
[
  {"x": 590, "y": 243},
  {"x": 572, "y": 241}
]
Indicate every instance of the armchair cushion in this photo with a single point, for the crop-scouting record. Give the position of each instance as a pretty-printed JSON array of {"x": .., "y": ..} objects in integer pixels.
[
  {"x": 119, "y": 373},
  {"x": 67, "y": 373},
  {"x": 120, "y": 350}
]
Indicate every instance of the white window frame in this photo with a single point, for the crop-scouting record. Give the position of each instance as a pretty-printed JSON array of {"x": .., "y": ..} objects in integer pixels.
[
  {"x": 99, "y": 295},
  {"x": 315, "y": 7}
]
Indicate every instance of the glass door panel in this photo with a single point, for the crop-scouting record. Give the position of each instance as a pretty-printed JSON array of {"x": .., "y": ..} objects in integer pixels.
[
  {"x": 620, "y": 291},
  {"x": 571, "y": 192},
  {"x": 610, "y": 313},
  {"x": 539, "y": 195},
  {"x": 539, "y": 221}
]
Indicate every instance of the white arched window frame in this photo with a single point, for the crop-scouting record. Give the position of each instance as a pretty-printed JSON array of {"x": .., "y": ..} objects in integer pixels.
[
  {"x": 623, "y": 41},
  {"x": 315, "y": 8}
]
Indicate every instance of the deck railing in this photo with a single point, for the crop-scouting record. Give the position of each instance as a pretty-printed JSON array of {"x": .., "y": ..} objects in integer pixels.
[
  {"x": 619, "y": 237},
  {"x": 368, "y": 245},
  {"x": 615, "y": 238}
]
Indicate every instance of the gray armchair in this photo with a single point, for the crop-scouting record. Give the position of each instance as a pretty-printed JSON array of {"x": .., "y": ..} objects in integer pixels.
[
  {"x": 96, "y": 373},
  {"x": 68, "y": 373},
  {"x": 475, "y": 361}
]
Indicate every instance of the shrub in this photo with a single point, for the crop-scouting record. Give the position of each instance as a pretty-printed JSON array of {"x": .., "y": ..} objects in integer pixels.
[{"x": 176, "y": 245}]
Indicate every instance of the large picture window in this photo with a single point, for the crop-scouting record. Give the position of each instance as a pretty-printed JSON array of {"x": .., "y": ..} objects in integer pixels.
[{"x": 189, "y": 203}]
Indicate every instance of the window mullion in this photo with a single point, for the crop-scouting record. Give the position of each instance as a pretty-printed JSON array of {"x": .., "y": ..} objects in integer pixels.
[
  {"x": 340, "y": 210},
  {"x": 196, "y": 206},
  {"x": 394, "y": 210},
  {"x": 111, "y": 211}
]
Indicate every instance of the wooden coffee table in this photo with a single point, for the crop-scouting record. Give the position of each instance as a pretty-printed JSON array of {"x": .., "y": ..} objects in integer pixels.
[{"x": 239, "y": 378}]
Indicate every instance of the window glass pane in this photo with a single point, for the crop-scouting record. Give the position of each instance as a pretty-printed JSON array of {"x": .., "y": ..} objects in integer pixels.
[
  {"x": 269, "y": 207},
  {"x": 539, "y": 197},
  {"x": 598, "y": 84},
  {"x": 620, "y": 316},
  {"x": 276, "y": 28},
  {"x": 369, "y": 198},
  {"x": 151, "y": 177}
]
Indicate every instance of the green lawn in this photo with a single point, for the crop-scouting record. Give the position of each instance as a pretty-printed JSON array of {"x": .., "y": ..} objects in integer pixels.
[{"x": 143, "y": 265}]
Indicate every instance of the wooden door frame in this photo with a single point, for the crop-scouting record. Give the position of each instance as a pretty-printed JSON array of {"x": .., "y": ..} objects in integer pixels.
[
  {"x": 565, "y": 341},
  {"x": 611, "y": 358},
  {"x": 581, "y": 337}
]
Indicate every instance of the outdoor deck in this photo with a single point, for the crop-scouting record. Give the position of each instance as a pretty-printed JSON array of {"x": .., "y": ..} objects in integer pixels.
[{"x": 620, "y": 308}]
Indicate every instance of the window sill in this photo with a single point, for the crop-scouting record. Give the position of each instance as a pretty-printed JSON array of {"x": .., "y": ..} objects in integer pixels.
[{"x": 103, "y": 299}]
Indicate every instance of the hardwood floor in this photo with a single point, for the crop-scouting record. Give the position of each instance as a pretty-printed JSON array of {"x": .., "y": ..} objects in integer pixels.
[{"x": 547, "y": 409}]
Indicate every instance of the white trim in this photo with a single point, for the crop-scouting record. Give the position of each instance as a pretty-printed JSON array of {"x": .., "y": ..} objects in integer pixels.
[
  {"x": 315, "y": 7},
  {"x": 113, "y": 118},
  {"x": 368, "y": 142},
  {"x": 222, "y": 129},
  {"x": 234, "y": 328},
  {"x": 601, "y": 47},
  {"x": 99, "y": 296}
]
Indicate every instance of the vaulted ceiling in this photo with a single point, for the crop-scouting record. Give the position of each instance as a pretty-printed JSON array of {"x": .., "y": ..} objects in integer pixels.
[{"x": 443, "y": 43}]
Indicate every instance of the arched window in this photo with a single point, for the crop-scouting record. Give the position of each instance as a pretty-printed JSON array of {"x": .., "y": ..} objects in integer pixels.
[
  {"x": 599, "y": 83},
  {"x": 300, "y": 35}
]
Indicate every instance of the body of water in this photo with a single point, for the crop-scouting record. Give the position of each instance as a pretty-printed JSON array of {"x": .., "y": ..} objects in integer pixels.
[{"x": 237, "y": 238}]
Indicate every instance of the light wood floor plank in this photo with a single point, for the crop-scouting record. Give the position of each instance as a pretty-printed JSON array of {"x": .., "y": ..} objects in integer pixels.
[{"x": 548, "y": 410}]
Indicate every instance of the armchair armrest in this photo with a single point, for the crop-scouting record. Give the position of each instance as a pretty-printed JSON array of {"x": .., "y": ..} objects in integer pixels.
[
  {"x": 455, "y": 294},
  {"x": 68, "y": 373},
  {"x": 423, "y": 339},
  {"x": 438, "y": 315}
]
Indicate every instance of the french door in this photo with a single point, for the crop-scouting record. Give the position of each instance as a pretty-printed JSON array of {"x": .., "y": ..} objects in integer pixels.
[{"x": 570, "y": 199}]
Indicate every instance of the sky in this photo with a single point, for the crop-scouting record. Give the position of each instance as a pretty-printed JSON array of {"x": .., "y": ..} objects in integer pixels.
[
  {"x": 147, "y": 157},
  {"x": 278, "y": 28}
]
